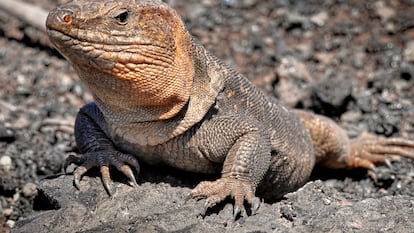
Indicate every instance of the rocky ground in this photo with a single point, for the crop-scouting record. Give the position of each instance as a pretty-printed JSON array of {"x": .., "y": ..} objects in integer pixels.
[{"x": 350, "y": 60}]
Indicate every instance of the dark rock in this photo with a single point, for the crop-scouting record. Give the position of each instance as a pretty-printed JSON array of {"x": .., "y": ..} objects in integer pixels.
[
  {"x": 293, "y": 80},
  {"x": 319, "y": 208},
  {"x": 7, "y": 134},
  {"x": 332, "y": 95},
  {"x": 160, "y": 207}
]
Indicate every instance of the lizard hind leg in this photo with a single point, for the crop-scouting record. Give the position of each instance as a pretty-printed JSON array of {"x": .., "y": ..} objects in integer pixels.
[{"x": 335, "y": 150}]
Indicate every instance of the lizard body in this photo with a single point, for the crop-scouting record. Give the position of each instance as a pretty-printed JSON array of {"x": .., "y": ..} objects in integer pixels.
[{"x": 162, "y": 97}]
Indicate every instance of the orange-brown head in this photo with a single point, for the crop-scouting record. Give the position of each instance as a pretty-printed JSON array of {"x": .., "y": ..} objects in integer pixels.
[{"x": 133, "y": 55}]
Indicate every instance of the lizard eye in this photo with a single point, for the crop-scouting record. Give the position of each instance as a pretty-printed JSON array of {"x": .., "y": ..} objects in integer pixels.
[{"x": 122, "y": 18}]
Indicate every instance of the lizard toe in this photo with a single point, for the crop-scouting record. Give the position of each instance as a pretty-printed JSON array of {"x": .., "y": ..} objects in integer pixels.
[
  {"x": 73, "y": 159},
  {"x": 368, "y": 150}
]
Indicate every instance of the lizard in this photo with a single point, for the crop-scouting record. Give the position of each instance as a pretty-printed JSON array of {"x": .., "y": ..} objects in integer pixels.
[{"x": 161, "y": 97}]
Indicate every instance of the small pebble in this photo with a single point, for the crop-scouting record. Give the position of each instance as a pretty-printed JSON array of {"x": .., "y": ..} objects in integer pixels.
[
  {"x": 5, "y": 163},
  {"x": 320, "y": 18},
  {"x": 29, "y": 190},
  {"x": 409, "y": 52},
  {"x": 8, "y": 212},
  {"x": 383, "y": 10},
  {"x": 326, "y": 201},
  {"x": 10, "y": 223}
]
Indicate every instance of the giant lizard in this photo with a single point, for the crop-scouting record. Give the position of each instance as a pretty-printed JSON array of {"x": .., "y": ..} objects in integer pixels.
[{"x": 161, "y": 97}]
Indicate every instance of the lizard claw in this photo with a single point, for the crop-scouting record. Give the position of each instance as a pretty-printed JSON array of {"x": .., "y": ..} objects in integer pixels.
[
  {"x": 255, "y": 205},
  {"x": 217, "y": 191},
  {"x": 205, "y": 208},
  {"x": 103, "y": 159},
  {"x": 106, "y": 180},
  {"x": 126, "y": 170},
  {"x": 237, "y": 211},
  {"x": 77, "y": 174},
  {"x": 387, "y": 162}
]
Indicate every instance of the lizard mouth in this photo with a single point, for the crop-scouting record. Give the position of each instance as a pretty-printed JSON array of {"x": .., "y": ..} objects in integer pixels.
[
  {"x": 68, "y": 45},
  {"x": 77, "y": 47}
]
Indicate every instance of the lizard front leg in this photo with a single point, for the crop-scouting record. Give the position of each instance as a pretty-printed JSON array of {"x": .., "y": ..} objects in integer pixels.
[
  {"x": 246, "y": 151},
  {"x": 97, "y": 149}
]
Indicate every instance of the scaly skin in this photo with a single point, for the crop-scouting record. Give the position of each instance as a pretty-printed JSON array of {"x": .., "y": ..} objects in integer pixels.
[{"x": 160, "y": 97}]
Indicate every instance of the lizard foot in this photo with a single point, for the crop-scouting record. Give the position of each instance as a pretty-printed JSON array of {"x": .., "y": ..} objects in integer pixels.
[
  {"x": 103, "y": 159},
  {"x": 217, "y": 191},
  {"x": 368, "y": 150}
]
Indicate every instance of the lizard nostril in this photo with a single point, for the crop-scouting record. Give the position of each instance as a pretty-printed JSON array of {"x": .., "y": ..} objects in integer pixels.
[
  {"x": 67, "y": 19},
  {"x": 60, "y": 18}
]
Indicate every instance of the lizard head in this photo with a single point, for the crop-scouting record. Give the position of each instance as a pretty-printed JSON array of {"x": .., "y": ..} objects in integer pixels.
[{"x": 132, "y": 55}]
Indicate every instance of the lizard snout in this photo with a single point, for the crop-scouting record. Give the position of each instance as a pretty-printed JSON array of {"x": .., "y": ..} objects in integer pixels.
[{"x": 60, "y": 19}]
